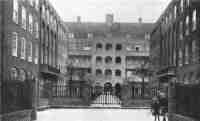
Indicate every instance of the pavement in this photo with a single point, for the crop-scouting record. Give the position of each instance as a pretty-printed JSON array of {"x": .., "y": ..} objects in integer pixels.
[{"x": 95, "y": 115}]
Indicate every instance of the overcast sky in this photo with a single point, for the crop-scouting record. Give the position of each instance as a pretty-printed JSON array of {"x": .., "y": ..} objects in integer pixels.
[{"x": 123, "y": 10}]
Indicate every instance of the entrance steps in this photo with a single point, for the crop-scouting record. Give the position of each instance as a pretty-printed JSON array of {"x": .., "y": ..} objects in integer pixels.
[{"x": 106, "y": 100}]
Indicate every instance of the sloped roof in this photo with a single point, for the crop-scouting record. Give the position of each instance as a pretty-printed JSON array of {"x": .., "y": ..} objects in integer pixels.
[{"x": 117, "y": 29}]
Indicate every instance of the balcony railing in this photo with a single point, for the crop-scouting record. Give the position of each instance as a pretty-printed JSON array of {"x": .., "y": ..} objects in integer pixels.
[
  {"x": 83, "y": 65},
  {"x": 139, "y": 53},
  {"x": 132, "y": 66}
]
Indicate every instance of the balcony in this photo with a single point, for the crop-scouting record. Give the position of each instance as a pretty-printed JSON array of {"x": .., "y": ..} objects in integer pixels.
[
  {"x": 80, "y": 52},
  {"x": 132, "y": 66},
  {"x": 138, "y": 53},
  {"x": 49, "y": 69},
  {"x": 83, "y": 65}
]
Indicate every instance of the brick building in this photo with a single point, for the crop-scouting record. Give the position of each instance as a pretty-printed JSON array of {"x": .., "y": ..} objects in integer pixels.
[
  {"x": 109, "y": 53},
  {"x": 175, "y": 53},
  {"x": 53, "y": 53},
  {"x": 30, "y": 38}
]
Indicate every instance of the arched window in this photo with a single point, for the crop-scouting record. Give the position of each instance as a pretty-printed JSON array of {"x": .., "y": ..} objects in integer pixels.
[
  {"x": 108, "y": 72},
  {"x": 108, "y": 60},
  {"x": 118, "y": 73},
  {"x": 23, "y": 48},
  {"x": 30, "y": 51},
  {"x": 118, "y": 60},
  {"x": 98, "y": 59},
  {"x": 118, "y": 47},
  {"x": 14, "y": 73},
  {"x": 98, "y": 72},
  {"x": 22, "y": 75},
  {"x": 15, "y": 11},
  {"x": 108, "y": 46},
  {"x": 14, "y": 44},
  {"x": 98, "y": 46}
]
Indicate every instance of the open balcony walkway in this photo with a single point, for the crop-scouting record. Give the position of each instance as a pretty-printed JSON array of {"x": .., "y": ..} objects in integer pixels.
[{"x": 95, "y": 115}]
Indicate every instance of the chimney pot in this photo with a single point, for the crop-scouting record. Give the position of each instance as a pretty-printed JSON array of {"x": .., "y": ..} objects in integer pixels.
[
  {"x": 109, "y": 19},
  {"x": 78, "y": 19}
]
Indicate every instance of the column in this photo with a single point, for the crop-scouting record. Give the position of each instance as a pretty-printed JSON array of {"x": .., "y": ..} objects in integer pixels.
[{"x": 171, "y": 98}]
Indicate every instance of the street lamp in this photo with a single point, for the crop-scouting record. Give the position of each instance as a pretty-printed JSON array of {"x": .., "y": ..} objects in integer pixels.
[
  {"x": 70, "y": 68},
  {"x": 143, "y": 71}
]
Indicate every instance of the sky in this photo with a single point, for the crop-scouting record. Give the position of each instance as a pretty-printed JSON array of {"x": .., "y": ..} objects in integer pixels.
[{"x": 123, "y": 10}]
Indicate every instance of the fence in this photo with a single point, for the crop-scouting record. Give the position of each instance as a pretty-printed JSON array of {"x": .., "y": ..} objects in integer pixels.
[{"x": 69, "y": 91}]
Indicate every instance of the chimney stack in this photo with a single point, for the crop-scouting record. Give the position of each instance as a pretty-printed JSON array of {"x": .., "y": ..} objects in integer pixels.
[
  {"x": 78, "y": 19},
  {"x": 140, "y": 20},
  {"x": 109, "y": 19}
]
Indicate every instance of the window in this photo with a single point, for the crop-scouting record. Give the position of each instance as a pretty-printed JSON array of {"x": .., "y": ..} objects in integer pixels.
[
  {"x": 188, "y": 3},
  {"x": 23, "y": 18},
  {"x": 181, "y": 30},
  {"x": 137, "y": 48},
  {"x": 37, "y": 4},
  {"x": 29, "y": 51},
  {"x": 194, "y": 20},
  {"x": 118, "y": 47},
  {"x": 180, "y": 60},
  {"x": 187, "y": 25},
  {"x": 98, "y": 46},
  {"x": 195, "y": 53},
  {"x": 43, "y": 11},
  {"x": 98, "y": 72},
  {"x": 14, "y": 44},
  {"x": 30, "y": 23},
  {"x": 14, "y": 73},
  {"x": 118, "y": 60},
  {"x": 108, "y": 72},
  {"x": 23, "y": 48},
  {"x": 15, "y": 11},
  {"x": 36, "y": 54},
  {"x": 98, "y": 59},
  {"x": 175, "y": 12},
  {"x": 108, "y": 47},
  {"x": 32, "y": 2},
  {"x": 186, "y": 54},
  {"x": 90, "y": 35},
  {"x": 108, "y": 60},
  {"x": 174, "y": 58},
  {"x": 22, "y": 75},
  {"x": 118, "y": 73},
  {"x": 36, "y": 30},
  {"x": 71, "y": 35},
  {"x": 182, "y": 5}
]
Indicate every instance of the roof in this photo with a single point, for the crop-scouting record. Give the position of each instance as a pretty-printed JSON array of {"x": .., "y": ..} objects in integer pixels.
[{"x": 117, "y": 29}]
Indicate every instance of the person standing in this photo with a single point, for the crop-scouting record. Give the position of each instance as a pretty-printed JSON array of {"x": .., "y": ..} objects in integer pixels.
[{"x": 155, "y": 107}]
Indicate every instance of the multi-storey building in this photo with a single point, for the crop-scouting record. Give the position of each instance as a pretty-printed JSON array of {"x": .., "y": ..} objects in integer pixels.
[
  {"x": 19, "y": 57},
  {"x": 109, "y": 53},
  {"x": 53, "y": 52},
  {"x": 176, "y": 47},
  {"x": 33, "y": 49}
]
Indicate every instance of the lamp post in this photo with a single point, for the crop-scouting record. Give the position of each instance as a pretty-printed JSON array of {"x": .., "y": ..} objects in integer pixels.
[
  {"x": 70, "y": 68},
  {"x": 70, "y": 72},
  {"x": 143, "y": 71}
]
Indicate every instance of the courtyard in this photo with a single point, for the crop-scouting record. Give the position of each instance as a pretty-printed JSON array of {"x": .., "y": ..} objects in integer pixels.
[{"x": 95, "y": 115}]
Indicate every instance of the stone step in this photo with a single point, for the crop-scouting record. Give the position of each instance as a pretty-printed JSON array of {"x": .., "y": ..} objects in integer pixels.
[{"x": 106, "y": 100}]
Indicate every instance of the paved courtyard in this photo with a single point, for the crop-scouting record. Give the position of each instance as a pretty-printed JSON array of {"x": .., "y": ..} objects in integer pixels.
[{"x": 95, "y": 115}]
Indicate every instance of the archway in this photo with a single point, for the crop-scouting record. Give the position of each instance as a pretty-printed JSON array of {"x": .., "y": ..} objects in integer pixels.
[
  {"x": 118, "y": 90},
  {"x": 108, "y": 87}
]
